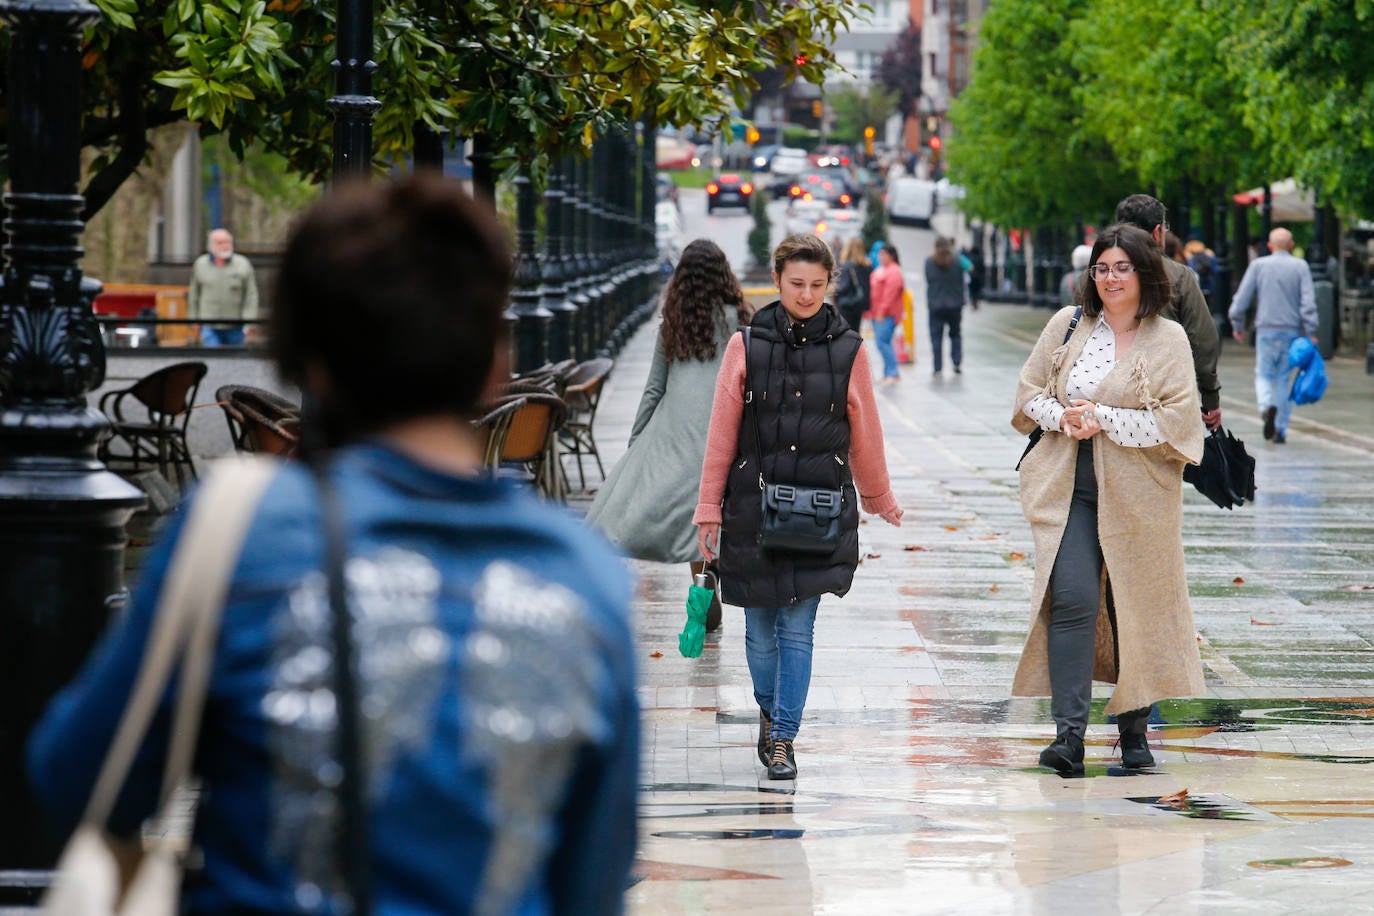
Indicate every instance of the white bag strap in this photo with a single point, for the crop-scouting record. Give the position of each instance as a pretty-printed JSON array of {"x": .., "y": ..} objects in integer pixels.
[{"x": 186, "y": 622}]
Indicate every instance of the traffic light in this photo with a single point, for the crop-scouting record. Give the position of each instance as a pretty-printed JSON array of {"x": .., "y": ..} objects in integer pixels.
[
  {"x": 936, "y": 145},
  {"x": 752, "y": 135},
  {"x": 817, "y": 108},
  {"x": 869, "y": 134}
]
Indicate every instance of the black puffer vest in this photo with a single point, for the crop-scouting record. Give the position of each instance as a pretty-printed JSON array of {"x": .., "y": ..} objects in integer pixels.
[{"x": 800, "y": 379}]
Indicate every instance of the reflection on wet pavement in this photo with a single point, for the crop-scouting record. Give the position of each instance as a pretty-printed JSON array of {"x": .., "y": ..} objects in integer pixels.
[{"x": 919, "y": 790}]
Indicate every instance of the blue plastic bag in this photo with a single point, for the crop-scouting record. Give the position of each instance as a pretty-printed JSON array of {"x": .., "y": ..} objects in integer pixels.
[{"x": 1310, "y": 383}]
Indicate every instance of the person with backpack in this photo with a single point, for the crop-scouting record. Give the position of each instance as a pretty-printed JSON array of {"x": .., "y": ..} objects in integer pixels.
[{"x": 851, "y": 289}]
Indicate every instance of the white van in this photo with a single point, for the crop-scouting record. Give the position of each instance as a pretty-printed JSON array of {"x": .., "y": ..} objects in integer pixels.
[{"x": 911, "y": 201}]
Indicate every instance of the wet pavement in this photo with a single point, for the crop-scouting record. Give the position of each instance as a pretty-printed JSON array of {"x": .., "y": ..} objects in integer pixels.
[{"x": 918, "y": 789}]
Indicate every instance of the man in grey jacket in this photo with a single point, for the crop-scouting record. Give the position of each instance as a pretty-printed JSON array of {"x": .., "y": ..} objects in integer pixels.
[
  {"x": 1187, "y": 305},
  {"x": 222, "y": 287},
  {"x": 1287, "y": 309}
]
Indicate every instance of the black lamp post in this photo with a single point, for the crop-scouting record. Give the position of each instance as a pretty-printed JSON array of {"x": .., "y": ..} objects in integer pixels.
[
  {"x": 353, "y": 104},
  {"x": 531, "y": 318},
  {"x": 62, "y": 514},
  {"x": 555, "y": 267},
  {"x": 575, "y": 262}
]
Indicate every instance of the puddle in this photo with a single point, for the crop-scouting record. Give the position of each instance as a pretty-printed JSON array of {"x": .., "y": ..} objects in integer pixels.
[
  {"x": 755, "y": 834},
  {"x": 1201, "y": 807}
]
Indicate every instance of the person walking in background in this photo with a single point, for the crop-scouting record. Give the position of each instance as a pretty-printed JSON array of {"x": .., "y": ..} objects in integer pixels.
[
  {"x": 1102, "y": 491},
  {"x": 1287, "y": 309},
  {"x": 223, "y": 287},
  {"x": 852, "y": 292},
  {"x": 945, "y": 293},
  {"x": 798, "y": 409},
  {"x": 974, "y": 256},
  {"x": 1068, "y": 285},
  {"x": 886, "y": 287},
  {"x": 646, "y": 503},
  {"x": 1186, "y": 304},
  {"x": 494, "y": 654}
]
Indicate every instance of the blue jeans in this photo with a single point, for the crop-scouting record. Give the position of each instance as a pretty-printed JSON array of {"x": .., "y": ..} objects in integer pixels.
[
  {"x": 777, "y": 646},
  {"x": 883, "y": 329},
  {"x": 223, "y": 337},
  {"x": 1273, "y": 377}
]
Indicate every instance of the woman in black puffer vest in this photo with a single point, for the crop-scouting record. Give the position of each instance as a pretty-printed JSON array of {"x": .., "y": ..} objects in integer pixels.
[{"x": 797, "y": 409}]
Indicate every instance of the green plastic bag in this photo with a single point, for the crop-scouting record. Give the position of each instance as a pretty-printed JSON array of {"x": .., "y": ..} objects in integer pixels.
[{"x": 699, "y": 596}]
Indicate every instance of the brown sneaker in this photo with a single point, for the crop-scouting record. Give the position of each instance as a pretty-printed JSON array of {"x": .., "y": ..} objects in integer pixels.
[{"x": 784, "y": 762}]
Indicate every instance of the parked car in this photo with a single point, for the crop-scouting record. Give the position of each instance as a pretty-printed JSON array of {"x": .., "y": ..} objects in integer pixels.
[
  {"x": 728, "y": 190},
  {"x": 825, "y": 185},
  {"x": 836, "y": 156},
  {"x": 911, "y": 201}
]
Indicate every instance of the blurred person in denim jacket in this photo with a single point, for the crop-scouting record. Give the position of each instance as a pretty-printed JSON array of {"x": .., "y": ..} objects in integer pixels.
[{"x": 495, "y": 660}]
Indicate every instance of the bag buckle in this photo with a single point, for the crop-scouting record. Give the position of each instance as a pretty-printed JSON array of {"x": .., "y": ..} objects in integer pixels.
[
  {"x": 823, "y": 498},
  {"x": 784, "y": 493}
]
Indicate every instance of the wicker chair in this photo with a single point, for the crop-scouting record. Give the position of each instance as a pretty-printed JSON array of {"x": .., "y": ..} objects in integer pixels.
[
  {"x": 159, "y": 436},
  {"x": 583, "y": 393},
  {"x": 530, "y": 446},
  {"x": 259, "y": 420},
  {"x": 494, "y": 426}
]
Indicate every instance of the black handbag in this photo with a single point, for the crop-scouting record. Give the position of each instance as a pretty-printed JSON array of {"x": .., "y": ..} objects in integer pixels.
[
  {"x": 1035, "y": 434},
  {"x": 793, "y": 518}
]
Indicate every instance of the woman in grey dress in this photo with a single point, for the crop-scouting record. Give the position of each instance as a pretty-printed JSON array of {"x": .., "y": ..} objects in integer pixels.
[{"x": 647, "y": 501}]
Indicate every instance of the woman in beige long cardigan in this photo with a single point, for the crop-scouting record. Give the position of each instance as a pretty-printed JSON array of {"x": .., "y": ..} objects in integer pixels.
[{"x": 1102, "y": 491}]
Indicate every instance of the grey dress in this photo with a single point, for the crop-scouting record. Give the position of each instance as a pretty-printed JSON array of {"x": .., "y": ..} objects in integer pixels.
[{"x": 647, "y": 501}]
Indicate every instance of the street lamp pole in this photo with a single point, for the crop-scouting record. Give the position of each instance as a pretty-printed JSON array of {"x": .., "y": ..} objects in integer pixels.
[
  {"x": 62, "y": 514},
  {"x": 353, "y": 104}
]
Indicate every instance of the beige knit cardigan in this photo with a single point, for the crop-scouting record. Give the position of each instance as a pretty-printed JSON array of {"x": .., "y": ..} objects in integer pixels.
[{"x": 1146, "y": 642}]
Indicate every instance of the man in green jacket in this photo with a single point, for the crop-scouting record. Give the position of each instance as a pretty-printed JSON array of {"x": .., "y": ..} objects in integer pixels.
[
  {"x": 222, "y": 288},
  {"x": 1187, "y": 305}
]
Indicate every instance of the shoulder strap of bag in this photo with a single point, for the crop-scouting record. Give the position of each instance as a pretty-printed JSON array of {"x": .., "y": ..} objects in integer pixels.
[
  {"x": 1073, "y": 324},
  {"x": 750, "y": 406},
  {"x": 355, "y": 853},
  {"x": 186, "y": 620}
]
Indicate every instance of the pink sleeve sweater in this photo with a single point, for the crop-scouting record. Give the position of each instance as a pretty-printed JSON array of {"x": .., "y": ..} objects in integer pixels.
[
  {"x": 867, "y": 461},
  {"x": 886, "y": 287}
]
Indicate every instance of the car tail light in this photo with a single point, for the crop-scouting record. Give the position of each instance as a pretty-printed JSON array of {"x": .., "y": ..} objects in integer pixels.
[
  {"x": 746, "y": 188},
  {"x": 795, "y": 190},
  {"x": 807, "y": 196},
  {"x": 844, "y": 199},
  {"x": 713, "y": 188},
  {"x": 820, "y": 228}
]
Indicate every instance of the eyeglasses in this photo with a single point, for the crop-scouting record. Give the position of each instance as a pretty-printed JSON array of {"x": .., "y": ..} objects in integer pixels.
[{"x": 1122, "y": 269}]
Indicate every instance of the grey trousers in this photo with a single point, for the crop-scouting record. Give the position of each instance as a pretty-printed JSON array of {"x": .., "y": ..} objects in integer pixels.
[
  {"x": 1074, "y": 599},
  {"x": 1075, "y": 596}
]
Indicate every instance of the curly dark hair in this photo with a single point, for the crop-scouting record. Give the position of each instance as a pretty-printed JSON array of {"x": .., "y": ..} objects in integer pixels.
[{"x": 694, "y": 303}]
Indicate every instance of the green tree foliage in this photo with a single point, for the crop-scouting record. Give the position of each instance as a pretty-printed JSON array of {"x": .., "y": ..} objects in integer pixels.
[
  {"x": 1020, "y": 147},
  {"x": 537, "y": 77},
  {"x": 856, "y": 109},
  {"x": 1169, "y": 109},
  {"x": 1307, "y": 76}
]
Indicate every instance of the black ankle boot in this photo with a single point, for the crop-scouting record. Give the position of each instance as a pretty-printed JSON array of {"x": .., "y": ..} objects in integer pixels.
[
  {"x": 765, "y": 745},
  {"x": 1065, "y": 755},
  {"x": 1135, "y": 752},
  {"x": 784, "y": 762}
]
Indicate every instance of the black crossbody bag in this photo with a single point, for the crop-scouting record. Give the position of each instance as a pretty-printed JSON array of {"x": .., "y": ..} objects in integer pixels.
[
  {"x": 1036, "y": 433},
  {"x": 794, "y": 518}
]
